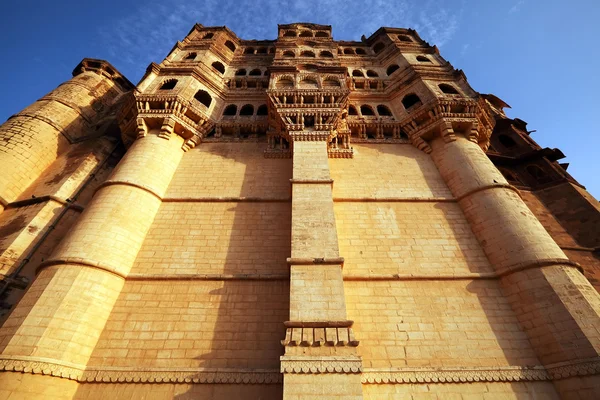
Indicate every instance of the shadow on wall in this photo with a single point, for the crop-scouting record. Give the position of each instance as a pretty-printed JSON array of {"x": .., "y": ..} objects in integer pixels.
[
  {"x": 226, "y": 332},
  {"x": 248, "y": 324}
]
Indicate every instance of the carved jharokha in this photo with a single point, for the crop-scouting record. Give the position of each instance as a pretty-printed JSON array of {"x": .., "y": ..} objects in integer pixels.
[{"x": 412, "y": 266}]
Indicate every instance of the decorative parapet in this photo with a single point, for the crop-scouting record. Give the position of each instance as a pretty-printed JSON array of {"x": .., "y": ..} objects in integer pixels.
[
  {"x": 320, "y": 365},
  {"x": 309, "y": 136}
]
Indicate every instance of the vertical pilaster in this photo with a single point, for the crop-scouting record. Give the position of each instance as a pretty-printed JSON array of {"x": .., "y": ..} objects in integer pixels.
[
  {"x": 320, "y": 358},
  {"x": 61, "y": 317},
  {"x": 555, "y": 304}
]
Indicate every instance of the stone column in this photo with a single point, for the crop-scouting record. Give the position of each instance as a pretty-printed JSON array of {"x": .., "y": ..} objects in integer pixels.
[
  {"x": 58, "y": 322},
  {"x": 320, "y": 358},
  {"x": 32, "y": 139},
  {"x": 556, "y": 305}
]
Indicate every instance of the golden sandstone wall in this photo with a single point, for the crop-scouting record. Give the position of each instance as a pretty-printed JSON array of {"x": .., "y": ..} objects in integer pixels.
[{"x": 236, "y": 257}]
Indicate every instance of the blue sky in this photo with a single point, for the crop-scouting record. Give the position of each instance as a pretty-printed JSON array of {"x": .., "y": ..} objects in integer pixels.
[{"x": 541, "y": 56}]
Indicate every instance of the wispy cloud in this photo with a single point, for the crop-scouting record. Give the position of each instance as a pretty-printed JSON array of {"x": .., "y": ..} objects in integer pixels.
[
  {"x": 464, "y": 49},
  {"x": 516, "y": 7},
  {"x": 148, "y": 34}
]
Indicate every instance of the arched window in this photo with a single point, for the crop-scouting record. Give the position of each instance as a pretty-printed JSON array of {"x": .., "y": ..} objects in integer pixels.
[
  {"x": 331, "y": 82},
  {"x": 384, "y": 111},
  {"x": 306, "y": 34},
  {"x": 321, "y": 34},
  {"x": 261, "y": 50},
  {"x": 448, "y": 89},
  {"x": 289, "y": 53},
  {"x": 352, "y": 110},
  {"x": 168, "y": 84},
  {"x": 240, "y": 72},
  {"x": 366, "y": 110},
  {"x": 378, "y": 48},
  {"x": 326, "y": 54},
  {"x": 208, "y": 35},
  {"x": 361, "y": 51},
  {"x": 307, "y": 53},
  {"x": 410, "y": 100},
  {"x": 230, "y": 110},
  {"x": 372, "y": 74},
  {"x": 191, "y": 56},
  {"x": 423, "y": 59},
  {"x": 404, "y": 38},
  {"x": 348, "y": 51},
  {"x": 203, "y": 97},
  {"x": 289, "y": 34},
  {"x": 219, "y": 67},
  {"x": 391, "y": 69},
  {"x": 284, "y": 83},
  {"x": 358, "y": 73},
  {"x": 229, "y": 44},
  {"x": 248, "y": 109},
  {"x": 249, "y": 50},
  {"x": 255, "y": 72},
  {"x": 506, "y": 141},
  {"x": 262, "y": 110},
  {"x": 538, "y": 174}
]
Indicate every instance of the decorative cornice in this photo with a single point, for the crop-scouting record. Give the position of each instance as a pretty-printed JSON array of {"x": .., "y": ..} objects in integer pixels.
[
  {"x": 138, "y": 375},
  {"x": 482, "y": 374},
  {"x": 320, "y": 365},
  {"x": 298, "y": 364},
  {"x": 454, "y": 375}
]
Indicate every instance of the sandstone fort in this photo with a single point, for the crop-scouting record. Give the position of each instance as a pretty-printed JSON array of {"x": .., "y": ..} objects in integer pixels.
[{"x": 299, "y": 218}]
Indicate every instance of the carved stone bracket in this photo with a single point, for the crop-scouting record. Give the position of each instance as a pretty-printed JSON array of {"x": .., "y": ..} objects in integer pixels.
[
  {"x": 320, "y": 365},
  {"x": 327, "y": 333},
  {"x": 142, "y": 128},
  {"x": 421, "y": 144}
]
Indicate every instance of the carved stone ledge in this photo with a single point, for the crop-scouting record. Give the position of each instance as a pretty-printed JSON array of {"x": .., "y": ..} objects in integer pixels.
[
  {"x": 482, "y": 374},
  {"x": 42, "y": 367},
  {"x": 136, "y": 375},
  {"x": 454, "y": 375},
  {"x": 574, "y": 368},
  {"x": 321, "y": 365},
  {"x": 191, "y": 376}
]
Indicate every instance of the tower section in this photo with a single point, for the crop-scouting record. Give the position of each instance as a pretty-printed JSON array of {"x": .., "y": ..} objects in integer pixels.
[{"x": 77, "y": 110}]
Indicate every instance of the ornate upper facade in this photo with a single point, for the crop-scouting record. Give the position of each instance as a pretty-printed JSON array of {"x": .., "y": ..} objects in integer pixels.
[{"x": 392, "y": 87}]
